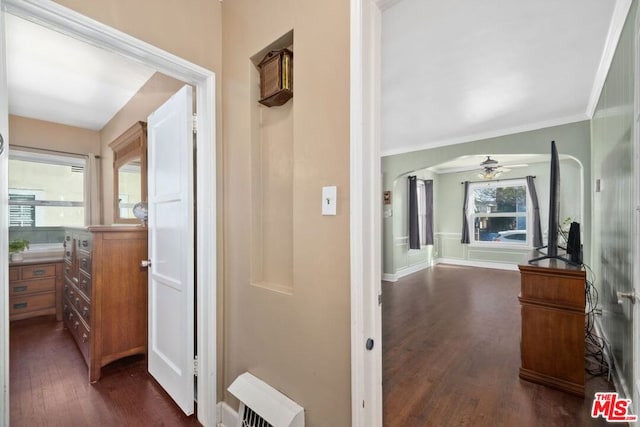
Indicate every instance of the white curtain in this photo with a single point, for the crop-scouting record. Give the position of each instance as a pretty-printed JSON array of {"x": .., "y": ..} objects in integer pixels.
[{"x": 92, "y": 191}]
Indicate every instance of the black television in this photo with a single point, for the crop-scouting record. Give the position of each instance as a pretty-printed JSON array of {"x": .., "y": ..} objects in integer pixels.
[
  {"x": 554, "y": 211},
  {"x": 554, "y": 202}
]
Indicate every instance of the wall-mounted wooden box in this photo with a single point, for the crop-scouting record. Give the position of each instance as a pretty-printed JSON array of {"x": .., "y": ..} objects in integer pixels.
[{"x": 276, "y": 78}]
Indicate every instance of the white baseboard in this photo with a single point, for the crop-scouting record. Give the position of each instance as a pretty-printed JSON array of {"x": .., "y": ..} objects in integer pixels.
[
  {"x": 480, "y": 264},
  {"x": 618, "y": 382},
  {"x": 228, "y": 416},
  {"x": 389, "y": 277},
  {"x": 405, "y": 272}
]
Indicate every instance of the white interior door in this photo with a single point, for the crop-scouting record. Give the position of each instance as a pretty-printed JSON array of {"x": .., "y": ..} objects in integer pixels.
[
  {"x": 635, "y": 393},
  {"x": 4, "y": 233},
  {"x": 171, "y": 248}
]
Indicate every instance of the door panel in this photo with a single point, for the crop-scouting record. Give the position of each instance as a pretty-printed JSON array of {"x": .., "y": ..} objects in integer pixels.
[
  {"x": 4, "y": 232},
  {"x": 171, "y": 247}
]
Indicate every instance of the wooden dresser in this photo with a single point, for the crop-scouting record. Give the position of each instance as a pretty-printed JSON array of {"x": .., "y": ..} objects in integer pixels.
[
  {"x": 552, "y": 300},
  {"x": 105, "y": 293},
  {"x": 34, "y": 289}
]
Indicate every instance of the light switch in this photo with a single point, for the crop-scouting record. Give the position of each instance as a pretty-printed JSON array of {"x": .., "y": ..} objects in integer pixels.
[{"x": 329, "y": 200}]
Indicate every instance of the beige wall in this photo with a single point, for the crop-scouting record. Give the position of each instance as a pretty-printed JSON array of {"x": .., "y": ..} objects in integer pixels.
[
  {"x": 151, "y": 95},
  {"x": 52, "y": 136},
  {"x": 298, "y": 341}
]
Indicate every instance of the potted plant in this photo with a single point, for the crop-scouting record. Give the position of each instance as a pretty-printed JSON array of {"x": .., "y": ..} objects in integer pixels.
[{"x": 16, "y": 247}]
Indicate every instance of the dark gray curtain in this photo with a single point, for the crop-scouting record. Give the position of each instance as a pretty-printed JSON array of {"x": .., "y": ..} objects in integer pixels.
[
  {"x": 414, "y": 229},
  {"x": 428, "y": 226},
  {"x": 535, "y": 227},
  {"x": 465, "y": 223}
]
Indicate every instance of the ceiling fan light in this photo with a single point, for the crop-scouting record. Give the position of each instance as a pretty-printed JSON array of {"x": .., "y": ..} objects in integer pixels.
[{"x": 490, "y": 173}]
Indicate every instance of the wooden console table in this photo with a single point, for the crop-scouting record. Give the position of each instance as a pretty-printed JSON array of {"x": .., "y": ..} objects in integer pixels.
[{"x": 552, "y": 299}]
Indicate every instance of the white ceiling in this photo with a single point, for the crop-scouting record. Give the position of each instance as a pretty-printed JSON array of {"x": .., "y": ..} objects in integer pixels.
[
  {"x": 463, "y": 70},
  {"x": 57, "y": 78}
]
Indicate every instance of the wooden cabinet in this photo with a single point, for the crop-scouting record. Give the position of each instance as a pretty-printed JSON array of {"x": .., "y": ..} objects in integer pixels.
[
  {"x": 34, "y": 289},
  {"x": 105, "y": 293},
  {"x": 553, "y": 302}
]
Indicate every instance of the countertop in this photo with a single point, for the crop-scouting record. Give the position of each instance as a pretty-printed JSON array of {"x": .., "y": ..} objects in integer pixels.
[{"x": 32, "y": 261}]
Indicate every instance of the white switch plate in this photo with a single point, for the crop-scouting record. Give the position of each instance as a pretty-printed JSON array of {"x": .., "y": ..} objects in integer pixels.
[{"x": 329, "y": 200}]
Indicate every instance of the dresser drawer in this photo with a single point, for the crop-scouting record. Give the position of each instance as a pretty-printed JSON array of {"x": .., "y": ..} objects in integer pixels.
[
  {"x": 68, "y": 290},
  {"x": 83, "y": 307},
  {"x": 78, "y": 328},
  {"x": 37, "y": 271},
  {"x": 32, "y": 286},
  {"x": 67, "y": 270},
  {"x": 14, "y": 273},
  {"x": 84, "y": 242},
  {"x": 84, "y": 262},
  {"x": 84, "y": 285},
  {"x": 68, "y": 248},
  {"x": 27, "y": 304}
]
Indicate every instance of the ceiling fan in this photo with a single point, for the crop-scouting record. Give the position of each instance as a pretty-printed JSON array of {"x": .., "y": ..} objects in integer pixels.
[{"x": 490, "y": 169}]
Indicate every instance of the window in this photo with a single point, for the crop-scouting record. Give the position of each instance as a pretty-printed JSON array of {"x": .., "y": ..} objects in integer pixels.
[
  {"x": 499, "y": 212},
  {"x": 45, "y": 189},
  {"x": 22, "y": 215}
]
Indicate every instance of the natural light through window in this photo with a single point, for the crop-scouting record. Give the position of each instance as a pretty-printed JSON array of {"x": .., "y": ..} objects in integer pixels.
[
  {"x": 45, "y": 190},
  {"x": 498, "y": 212}
]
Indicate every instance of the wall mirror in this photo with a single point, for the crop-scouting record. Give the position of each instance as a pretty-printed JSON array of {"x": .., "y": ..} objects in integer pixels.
[{"x": 129, "y": 172}]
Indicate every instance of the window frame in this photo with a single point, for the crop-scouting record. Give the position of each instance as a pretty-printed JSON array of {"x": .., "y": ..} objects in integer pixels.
[
  {"x": 47, "y": 157},
  {"x": 471, "y": 216}
]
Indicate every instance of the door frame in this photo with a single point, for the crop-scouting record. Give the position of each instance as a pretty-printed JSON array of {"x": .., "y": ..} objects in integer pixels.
[
  {"x": 70, "y": 22},
  {"x": 635, "y": 308},
  {"x": 366, "y": 205}
]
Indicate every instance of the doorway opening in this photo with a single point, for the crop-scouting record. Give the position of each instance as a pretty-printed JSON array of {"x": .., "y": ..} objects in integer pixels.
[{"x": 82, "y": 28}]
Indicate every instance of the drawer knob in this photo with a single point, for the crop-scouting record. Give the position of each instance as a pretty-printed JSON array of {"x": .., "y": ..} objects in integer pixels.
[
  {"x": 20, "y": 305},
  {"x": 20, "y": 288},
  {"x": 38, "y": 272}
]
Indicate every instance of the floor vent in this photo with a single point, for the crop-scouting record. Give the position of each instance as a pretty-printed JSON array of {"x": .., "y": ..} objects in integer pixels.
[{"x": 263, "y": 406}]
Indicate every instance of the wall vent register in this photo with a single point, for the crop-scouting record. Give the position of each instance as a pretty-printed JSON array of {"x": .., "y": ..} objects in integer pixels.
[{"x": 263, "y": 406}]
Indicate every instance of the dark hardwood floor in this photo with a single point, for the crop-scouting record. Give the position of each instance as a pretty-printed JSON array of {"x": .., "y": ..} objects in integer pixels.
[
  {"x": 451, "y": 354},
  {"x": 49, "y": 384}
]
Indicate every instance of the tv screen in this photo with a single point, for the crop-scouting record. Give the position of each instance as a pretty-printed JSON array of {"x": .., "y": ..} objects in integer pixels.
[
  {"x": 554, "y": 202},
  {"x": 554, "y": 210}
]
